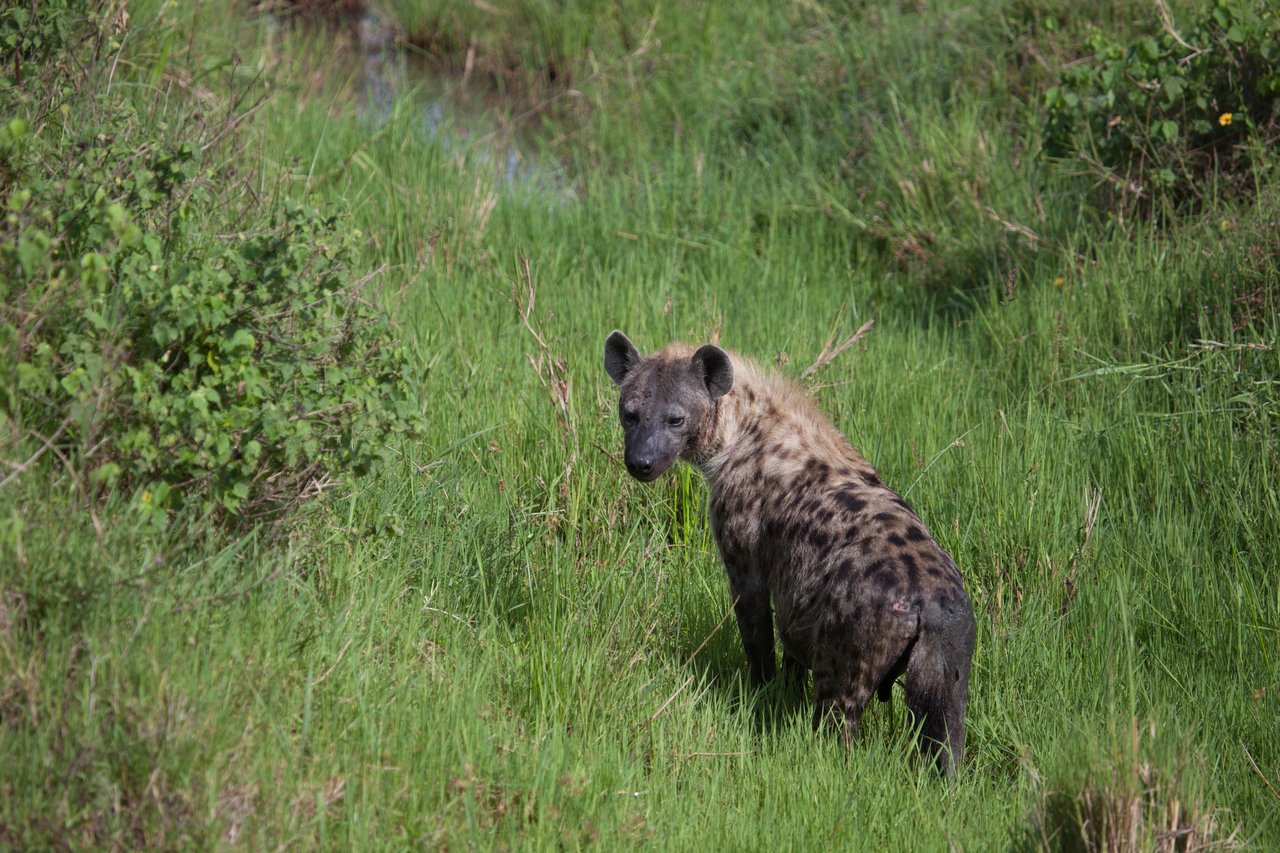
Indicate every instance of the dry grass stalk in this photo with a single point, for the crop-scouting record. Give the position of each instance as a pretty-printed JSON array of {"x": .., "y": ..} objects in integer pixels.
[
  {"x": 828, "y": 354},
  {"x": 551, "y": 369},
  {"x": 1134, "y": 808}
]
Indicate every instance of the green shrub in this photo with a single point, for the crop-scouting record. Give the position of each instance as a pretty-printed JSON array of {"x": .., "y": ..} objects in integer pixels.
[
  {"x": 1160, "y": 117},
  {"x": 235, "y": 372},
  {"x": 32, "y": 31}
]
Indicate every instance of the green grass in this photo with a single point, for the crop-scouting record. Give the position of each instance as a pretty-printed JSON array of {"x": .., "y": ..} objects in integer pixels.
[{"x": 499, "y": 641}]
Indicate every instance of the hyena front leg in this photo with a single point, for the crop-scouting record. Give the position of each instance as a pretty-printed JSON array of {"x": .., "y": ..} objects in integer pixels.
[{"x": 755, "y": 621}]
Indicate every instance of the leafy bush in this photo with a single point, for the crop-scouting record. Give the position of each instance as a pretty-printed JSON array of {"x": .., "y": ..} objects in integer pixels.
[
  {"x": 32, "y": 31},
  {"x": 1158, "y": 116},
  {"x": 237, "y": 373}
]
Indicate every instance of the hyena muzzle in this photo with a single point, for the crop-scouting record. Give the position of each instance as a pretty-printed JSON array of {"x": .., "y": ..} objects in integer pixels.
[{"x": 810, "y": 538}]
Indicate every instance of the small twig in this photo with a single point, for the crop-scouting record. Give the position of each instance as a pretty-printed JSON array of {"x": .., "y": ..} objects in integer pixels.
[
  {"x": 1258, "y": 770},
  {"x": 76, "y": 480},
  {"x": 828, "y": 354},
  {"x": 234, "y": 123},
  {"x": 715, "y": 321},
  {"x": 714, "y": 631},
  {"x": 957, "y": 442},
  {"x": 525, "y": 306},
  {"x": 550, "y": 370},
  {"x": 1092, "y": 504},
  {"x": 639, "y": 731},
  {"x": 1167, "y": 20},
  {"x": 111, "y": 75},
  {"x": 48, "y": 443},
  {"x": 1015, "y": 227},
  {"x": 335, "y": 663},
  {"x": 617, "y": 460},
  {"x": 1109, "y": 176},
  {"x": 1190, "y": 56},
  {"x": 662, "y": 707},
  {"x": 1207, "y": 344},
  {"x": 428, "y": 608}
]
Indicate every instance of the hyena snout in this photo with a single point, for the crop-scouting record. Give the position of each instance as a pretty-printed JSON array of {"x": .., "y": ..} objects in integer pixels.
[
  {"x": 641, "y": 467},
  {"x": 647, "y": 459}
]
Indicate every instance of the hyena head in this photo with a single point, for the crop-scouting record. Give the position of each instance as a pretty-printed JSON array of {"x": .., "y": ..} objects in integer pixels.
[{"x": 666, "y": 400}]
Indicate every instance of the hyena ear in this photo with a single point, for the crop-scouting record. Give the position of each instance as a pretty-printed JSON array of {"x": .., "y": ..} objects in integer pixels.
[
  {"x": 717, "y": 369},
  {"x": 620, "y": 355}
]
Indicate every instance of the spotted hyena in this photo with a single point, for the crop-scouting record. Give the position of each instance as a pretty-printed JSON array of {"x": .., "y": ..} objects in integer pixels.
[{"x": 860, "y": 592}]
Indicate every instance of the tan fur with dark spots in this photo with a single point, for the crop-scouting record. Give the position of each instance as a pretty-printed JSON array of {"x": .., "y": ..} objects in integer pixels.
[{"x": 811, "y": 539}]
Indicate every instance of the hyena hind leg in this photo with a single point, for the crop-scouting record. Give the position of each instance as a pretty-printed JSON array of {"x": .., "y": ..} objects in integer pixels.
[
  {"x": 846, "y": 676},
  {"x": 937, "y": 686}
]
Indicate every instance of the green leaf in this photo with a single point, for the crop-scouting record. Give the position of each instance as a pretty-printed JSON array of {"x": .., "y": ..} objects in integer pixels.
[
  {"x": 33, "y": 252},
  {"x": 32, "y": 377},
  {"x": 106, "y": 474},
  {"x": 16, "y": 129},
  {"x": 74, "y": 381},
  {"x": 95, "y": 319}
]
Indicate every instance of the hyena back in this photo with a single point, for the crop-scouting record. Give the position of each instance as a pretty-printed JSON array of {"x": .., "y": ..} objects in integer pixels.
[{"x": 860, "y": 592}]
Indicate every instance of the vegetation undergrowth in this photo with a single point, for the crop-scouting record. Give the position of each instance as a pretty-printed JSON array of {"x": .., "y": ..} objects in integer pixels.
[
  {"x": 494, "y": 639},
  {"x": 161, "y": 345},
  {"x": 1166, "y": 119}
]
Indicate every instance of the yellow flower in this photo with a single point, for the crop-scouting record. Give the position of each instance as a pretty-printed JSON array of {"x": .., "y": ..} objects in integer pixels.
[
  {"x": 1059, "y": 281},
  {"x": 146, "y": 496},
  {"x": 1224, "y": 119}
]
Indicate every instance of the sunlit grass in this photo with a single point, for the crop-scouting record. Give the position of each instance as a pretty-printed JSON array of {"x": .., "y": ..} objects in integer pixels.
[{"x": 499, "y": 641}]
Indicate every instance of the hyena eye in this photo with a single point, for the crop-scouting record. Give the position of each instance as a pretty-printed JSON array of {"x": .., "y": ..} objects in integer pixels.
[
  {"x": 675, "y": 420},
  {"x": 630, "y": 417}
]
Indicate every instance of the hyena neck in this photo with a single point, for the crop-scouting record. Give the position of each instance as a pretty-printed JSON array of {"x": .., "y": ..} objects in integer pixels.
[
  {"x": 759, "y": 403},
  {"x": 770, "y": 420}
]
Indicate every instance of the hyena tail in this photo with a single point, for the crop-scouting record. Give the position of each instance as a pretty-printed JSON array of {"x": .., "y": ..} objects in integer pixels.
[{"x": 937, "y": 684}]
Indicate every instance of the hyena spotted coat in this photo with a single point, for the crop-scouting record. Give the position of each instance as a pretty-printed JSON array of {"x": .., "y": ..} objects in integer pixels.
[{"x": 810, "y": 537}]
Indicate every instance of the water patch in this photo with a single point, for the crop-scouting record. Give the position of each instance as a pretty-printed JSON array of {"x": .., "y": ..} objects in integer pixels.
[{"x": 463, "y": 124}]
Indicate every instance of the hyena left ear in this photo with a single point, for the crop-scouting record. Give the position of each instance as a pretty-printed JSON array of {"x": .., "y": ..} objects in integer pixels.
[
  {"x": 717, "y": 369},
  {"x": 620, "y": 355}
]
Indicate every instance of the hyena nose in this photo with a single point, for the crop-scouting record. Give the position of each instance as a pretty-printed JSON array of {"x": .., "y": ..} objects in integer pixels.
[{"x": 641, "y": 466}]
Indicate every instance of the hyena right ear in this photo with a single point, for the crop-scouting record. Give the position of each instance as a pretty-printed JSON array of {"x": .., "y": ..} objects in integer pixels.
[
  {"x": 717, "y": 369},
  {"x": 620, "y": 355}
]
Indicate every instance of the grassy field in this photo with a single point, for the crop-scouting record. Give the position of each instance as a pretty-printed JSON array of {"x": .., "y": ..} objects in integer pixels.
[{"x": 499, "y": 641}]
